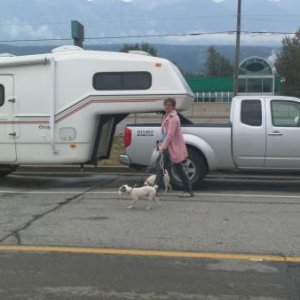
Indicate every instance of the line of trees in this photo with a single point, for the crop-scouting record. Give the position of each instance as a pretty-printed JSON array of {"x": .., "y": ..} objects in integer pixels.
[
  {"x": 140, "y": 47},
  {"x": 216, "y": 64},
  {"x": 287, "y": 63}
]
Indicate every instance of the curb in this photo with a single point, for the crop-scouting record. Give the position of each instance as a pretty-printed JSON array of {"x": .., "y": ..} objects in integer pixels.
[{"x": 77, "y": 169}]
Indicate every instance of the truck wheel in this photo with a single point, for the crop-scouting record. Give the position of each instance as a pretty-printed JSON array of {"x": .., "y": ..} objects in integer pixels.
[{"x": 195, "y": 167}]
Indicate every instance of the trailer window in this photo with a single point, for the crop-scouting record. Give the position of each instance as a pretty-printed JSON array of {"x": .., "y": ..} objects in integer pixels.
[
  {"x": 251, "y": 113},
  {"x": 122, "y": 81},
  {"x": 1, "y": 94}
]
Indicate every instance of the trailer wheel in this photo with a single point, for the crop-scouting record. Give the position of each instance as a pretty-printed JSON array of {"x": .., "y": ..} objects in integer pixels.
[
  {"x": 196, "y": 169},
  {"x": 3, "y": 173},
  {"x": 5, "y": 170}
]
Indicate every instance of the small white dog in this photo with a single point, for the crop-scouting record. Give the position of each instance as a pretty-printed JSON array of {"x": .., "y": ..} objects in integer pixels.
[
  {"x": 151, "y": 180},
  {"x": 140, "y": 193}
]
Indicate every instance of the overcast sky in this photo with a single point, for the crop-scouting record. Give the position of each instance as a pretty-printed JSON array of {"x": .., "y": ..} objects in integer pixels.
[{"x": 177, "y": 21}]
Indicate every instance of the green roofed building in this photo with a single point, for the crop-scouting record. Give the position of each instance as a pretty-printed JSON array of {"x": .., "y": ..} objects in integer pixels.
[
  {"x": 256, "y": 76},
  {"x": 211, "y": 89}
]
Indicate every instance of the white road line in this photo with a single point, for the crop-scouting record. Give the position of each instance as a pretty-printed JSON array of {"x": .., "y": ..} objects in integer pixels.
[
  {"x": 169, "y": 194},
  {"x": 251, "y": 195},
  {"x": 37, "y": 192}
]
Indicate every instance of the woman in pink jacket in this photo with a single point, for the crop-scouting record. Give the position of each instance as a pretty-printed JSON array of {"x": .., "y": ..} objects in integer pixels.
[{"x": 173, "y": 145}]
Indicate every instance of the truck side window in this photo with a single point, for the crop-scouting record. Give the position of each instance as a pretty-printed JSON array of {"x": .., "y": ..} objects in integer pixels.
[
  {"x": 285, "y": 113},
  {"x": 251, "y": 113},
  {"x": 1, "y": 95},
  {"x": 122, "y": 81}
]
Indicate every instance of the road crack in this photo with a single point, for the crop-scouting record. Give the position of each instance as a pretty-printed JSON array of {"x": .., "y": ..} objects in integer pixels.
[{"x": 16, "y": 233}]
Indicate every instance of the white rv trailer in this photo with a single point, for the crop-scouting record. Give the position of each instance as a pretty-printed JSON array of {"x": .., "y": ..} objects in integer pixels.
[{"x": 62, "y": 107}]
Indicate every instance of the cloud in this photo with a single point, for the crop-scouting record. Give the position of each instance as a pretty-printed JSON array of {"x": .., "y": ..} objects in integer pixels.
[
  {"x": 272, "y": 57},
  {"x": 227, "y": 39},
  {"x": 17, "y": 30}
]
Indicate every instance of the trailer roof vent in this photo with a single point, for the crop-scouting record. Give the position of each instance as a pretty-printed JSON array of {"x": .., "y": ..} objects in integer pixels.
[
  {"x": 66, "y": 48},
  {"x": 6, "y": 55}
]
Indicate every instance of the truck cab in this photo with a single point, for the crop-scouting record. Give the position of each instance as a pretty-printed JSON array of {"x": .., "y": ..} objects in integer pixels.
[{"x": 266, "y": 132}]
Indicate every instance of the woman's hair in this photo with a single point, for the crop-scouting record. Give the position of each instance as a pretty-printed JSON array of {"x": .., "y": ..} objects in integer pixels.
[{"x": 170, "y": 100}]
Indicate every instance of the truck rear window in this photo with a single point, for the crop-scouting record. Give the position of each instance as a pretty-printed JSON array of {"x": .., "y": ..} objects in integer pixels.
[
  {"x": 251, "y": 113},
  {"x": 1, "y": 94},
  {"x": 122, "y": 81}
]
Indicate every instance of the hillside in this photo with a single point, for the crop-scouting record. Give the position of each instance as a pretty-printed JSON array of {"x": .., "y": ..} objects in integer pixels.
[{"x": 189, "y": 58}]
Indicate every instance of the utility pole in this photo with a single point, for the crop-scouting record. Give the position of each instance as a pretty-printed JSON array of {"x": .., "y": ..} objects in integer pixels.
[{"x": 237, "y": 49}]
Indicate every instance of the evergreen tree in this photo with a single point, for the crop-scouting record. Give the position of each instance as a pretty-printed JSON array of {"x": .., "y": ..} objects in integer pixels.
[
  {"x": 288, "y": 65},
  {"x": 216, "y": 64},
  {"x": 142, "y": 47}
]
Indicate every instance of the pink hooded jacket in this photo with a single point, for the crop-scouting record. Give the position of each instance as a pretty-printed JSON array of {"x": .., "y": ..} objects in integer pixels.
[{"x": 174, "y": 141}]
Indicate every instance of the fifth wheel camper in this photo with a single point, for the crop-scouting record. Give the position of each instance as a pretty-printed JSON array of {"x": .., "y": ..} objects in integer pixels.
[{"x": 63, "y": 107}]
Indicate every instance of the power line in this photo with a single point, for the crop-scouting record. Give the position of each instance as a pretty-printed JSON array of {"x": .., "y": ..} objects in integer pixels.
[{"x": 229, "y": 32}]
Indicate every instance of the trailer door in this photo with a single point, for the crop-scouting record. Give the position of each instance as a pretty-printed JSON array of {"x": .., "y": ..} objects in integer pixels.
[{"x": 7, "y": 133}]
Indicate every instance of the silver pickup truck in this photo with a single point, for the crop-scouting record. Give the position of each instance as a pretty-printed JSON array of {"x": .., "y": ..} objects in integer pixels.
[{"x": 263, "y": 135}]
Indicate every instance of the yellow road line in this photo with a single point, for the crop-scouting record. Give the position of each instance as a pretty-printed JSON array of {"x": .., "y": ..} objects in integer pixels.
[{"x": 199, "y": 255}]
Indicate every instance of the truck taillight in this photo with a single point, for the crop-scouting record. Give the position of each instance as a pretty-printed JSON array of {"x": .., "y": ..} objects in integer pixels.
[{"x": 127, "y": 137}]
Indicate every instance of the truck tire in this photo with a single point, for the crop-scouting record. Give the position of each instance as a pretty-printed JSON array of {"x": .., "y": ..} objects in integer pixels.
[{"x": 196, "y": 168}]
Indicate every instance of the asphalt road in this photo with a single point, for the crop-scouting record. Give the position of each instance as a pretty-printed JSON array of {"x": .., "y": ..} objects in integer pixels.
[{"x": 69, "y": 235}]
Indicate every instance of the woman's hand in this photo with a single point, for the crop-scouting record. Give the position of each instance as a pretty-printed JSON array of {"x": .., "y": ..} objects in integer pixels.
[{"x": 160, "y": 149}]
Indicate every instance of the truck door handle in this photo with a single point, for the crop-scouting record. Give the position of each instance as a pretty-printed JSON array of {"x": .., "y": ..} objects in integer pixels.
[
  {"x": 275, "y": 133},
  {"x": 12, "y": 134},
  {"x": 12, "y": 100}
]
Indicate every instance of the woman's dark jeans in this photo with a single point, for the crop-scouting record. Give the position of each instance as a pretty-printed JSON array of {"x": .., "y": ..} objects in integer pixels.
[
  {"x": 163, "y": 162},
  {"x": 179, "y": 169}
]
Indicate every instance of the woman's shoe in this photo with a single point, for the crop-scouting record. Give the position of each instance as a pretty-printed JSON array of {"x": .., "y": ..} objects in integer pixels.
[{"x": 187, "y": 195}]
